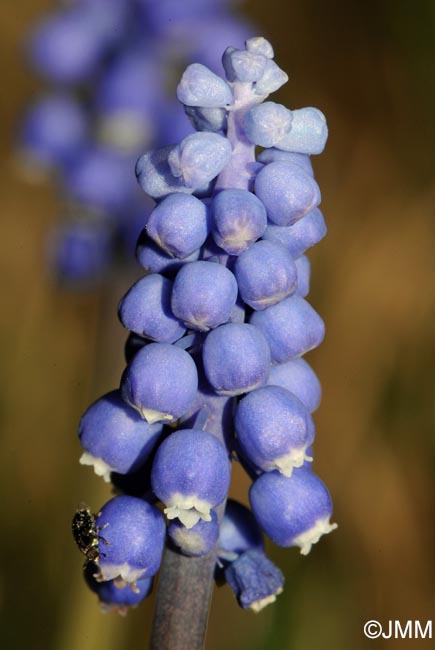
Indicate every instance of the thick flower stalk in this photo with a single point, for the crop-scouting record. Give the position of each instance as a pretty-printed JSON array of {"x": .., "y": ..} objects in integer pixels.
[{"x": 218, "y": 325}]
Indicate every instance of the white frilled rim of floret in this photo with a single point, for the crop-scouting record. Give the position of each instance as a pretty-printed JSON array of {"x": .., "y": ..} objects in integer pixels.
[
  {"x": 101, "y": 468},
  {"x": 123, "y": 574},
  {"x": 287, "y": 463},
  {"x": 152, "y": 416},
  {"x": 312, "y": 535},
  {"x": 188, "y": 509},
  {"x": 258, "y": 605},
  {"x": 239, "y": 391}
]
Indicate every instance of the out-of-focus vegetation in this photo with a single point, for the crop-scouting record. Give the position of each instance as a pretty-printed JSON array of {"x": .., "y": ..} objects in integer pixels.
[{"x": 369, "y": 67}]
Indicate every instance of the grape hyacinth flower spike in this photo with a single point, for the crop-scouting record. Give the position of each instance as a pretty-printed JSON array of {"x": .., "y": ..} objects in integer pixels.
[{"x": 214, "y": 353}]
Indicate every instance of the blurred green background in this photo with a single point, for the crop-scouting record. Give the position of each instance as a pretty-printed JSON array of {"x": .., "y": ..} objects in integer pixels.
[{"x": 370, "y": 67}]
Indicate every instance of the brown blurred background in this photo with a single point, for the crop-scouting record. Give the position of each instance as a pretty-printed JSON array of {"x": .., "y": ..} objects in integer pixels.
[{"x": 370, "y": 67}]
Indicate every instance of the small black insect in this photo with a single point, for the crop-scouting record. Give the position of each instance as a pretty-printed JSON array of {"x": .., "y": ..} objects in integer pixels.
[{"x": 85, "y": 532}]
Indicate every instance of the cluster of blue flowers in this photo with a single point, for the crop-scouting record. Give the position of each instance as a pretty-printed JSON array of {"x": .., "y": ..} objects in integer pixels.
[
  {"x": 108, "y": 65},
  {"x": 218, "y": 326}
]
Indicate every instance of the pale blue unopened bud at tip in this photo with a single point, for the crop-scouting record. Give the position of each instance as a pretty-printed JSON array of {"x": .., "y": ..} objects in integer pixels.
[
  {"x": 267, "y": 123},
  {"x": 247, "y": 66},
  {"x": 308, "y": 133},
  {"x": 227, "y": 63},
  {"x": 272, "y": 79},
  {"x": 259, "y": 45},
  {"x": 199, "y": 86},
  {"x": 155, "y": 177},
  {"x": 199, "y": 158}
]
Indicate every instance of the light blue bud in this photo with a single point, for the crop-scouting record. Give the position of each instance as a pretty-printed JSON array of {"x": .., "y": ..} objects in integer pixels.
[
  {"x": 199, "y": 158},
  {"x": 227, "y": 63},
  {"x": 308, "y": 133},
  {"x": 259, "y": 45},
  {"x": 272, "y": 79},
  {"x": 248, "y": 66},
  {"x": 199, "y": 86},
  {"x": 155, "y": 177},
  {"x": 267, "y": 123}
]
